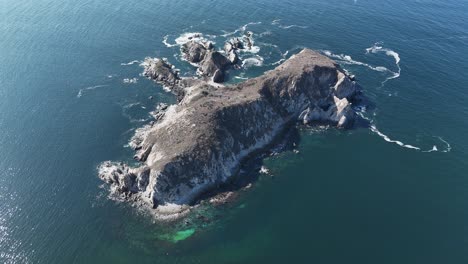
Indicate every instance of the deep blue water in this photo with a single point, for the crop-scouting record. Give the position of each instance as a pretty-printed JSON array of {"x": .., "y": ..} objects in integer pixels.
[{"x": 347, "y": 197}]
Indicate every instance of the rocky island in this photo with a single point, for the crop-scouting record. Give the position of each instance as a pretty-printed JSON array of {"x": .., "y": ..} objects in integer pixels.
[{"x": 199, "y": 143}]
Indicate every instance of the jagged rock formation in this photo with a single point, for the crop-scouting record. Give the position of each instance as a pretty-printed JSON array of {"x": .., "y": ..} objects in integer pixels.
[
  {"x": 200, "y": 142},
  {"x": 211, "y": 63}
]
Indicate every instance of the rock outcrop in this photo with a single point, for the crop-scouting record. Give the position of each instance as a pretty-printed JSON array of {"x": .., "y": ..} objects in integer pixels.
[
  {"x": 161, "y": 71},
  {"x": 201, "y": 142},
  {"x": 211, "y": 63}
]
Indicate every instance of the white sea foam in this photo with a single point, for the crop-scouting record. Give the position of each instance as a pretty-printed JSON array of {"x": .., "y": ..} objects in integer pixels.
[
  {"x": 278, "y": 62},
  {"x": 253, "y": 49},
  {"x": 253, "y": 61},
  {"x": 377, "y": 48},
  {"x": 277, "y": 23},
  {"x": 264, "y": 170},
  {"x": 186, "y": 37},
  {"x": 349, "y": 60},
  {"x": 130, "y": 63},
  {"x": 130, "y": 80},
  {"x": 131, "y": 105},
  {"x": 434, "y": 149},
  {"x": 166, "y": 43},
  {"x": 374, "y": 129},
  {"x": 241, "y": 29},
  {"x": 448, "y": 147},
  {"x": 283, "y": 55},
  {"x": 266, "y": 33},
  {"x": 81, "y": 91}
]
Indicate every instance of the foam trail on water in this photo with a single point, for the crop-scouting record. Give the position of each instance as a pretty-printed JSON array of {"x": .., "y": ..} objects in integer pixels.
[
  {"x": 166, "y": 43},
  {"x": 346, "y": 59},
  {"x": 266, "y": 33},
  {"x": 379, "y": 48},
  {"x": 241, "y": 29},
  {"x": 283, "y": 55},
  {"x": 449, "y": 148},
  {"x": 277, "y": 23},
  {"x": 374, "y": 129},
  {"x": 130, "y": 63},
  {"x": 434, "y": 149},
  {"x": 349, "y": 60},
  {"x": 291, "y": 26},
  {"x": 81, "y": 91}
]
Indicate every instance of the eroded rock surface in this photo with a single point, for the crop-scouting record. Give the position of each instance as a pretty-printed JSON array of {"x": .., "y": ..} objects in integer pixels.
[{"x": 201, "y": 142}]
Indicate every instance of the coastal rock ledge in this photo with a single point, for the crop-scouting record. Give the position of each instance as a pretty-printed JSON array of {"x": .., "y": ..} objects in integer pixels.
[{"x": 200, "y": 143}]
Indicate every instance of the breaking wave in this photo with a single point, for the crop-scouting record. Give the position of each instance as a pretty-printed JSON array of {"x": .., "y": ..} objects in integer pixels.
[
  {"x": 186, "y": 37},
  {"x": 254, "y": 61}
]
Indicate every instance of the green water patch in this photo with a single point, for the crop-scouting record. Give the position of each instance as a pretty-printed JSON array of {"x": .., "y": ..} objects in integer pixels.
[{"x": 178, "y": 236}]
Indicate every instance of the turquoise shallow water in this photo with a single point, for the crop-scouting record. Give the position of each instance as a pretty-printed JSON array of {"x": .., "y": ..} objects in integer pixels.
[{"x": 347, "y": 197}]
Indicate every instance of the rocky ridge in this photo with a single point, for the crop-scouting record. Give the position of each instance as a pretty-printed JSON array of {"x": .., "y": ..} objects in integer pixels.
[{"x": 199, "y": 144}]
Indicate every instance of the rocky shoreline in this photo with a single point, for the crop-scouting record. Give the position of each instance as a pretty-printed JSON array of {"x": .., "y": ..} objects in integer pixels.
[{"x": 199, "y": 143}]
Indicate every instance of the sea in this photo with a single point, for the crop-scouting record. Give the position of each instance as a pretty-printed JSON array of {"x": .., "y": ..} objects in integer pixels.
[{"x": 72, "y": 95}]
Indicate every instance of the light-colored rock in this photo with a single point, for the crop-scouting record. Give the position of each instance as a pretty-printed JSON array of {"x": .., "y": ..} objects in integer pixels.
[{"x": 201, "y": 142}]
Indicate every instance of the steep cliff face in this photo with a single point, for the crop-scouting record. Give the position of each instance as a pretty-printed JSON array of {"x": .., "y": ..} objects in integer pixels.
[{"x": 200, "y": 142}]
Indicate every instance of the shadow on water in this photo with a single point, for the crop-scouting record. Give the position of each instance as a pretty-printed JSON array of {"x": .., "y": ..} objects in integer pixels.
[{"x": 251, "y": 167}]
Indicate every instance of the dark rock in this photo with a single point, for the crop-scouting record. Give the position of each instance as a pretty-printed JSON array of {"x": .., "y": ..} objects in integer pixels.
[
  {"x": 194, "y": 51},
  {"x": 218, "y": 76},
  {"x": 213, "y": 62},
  {"x": 228, "y": 47},
  {"x": 237, "y": 43}
]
